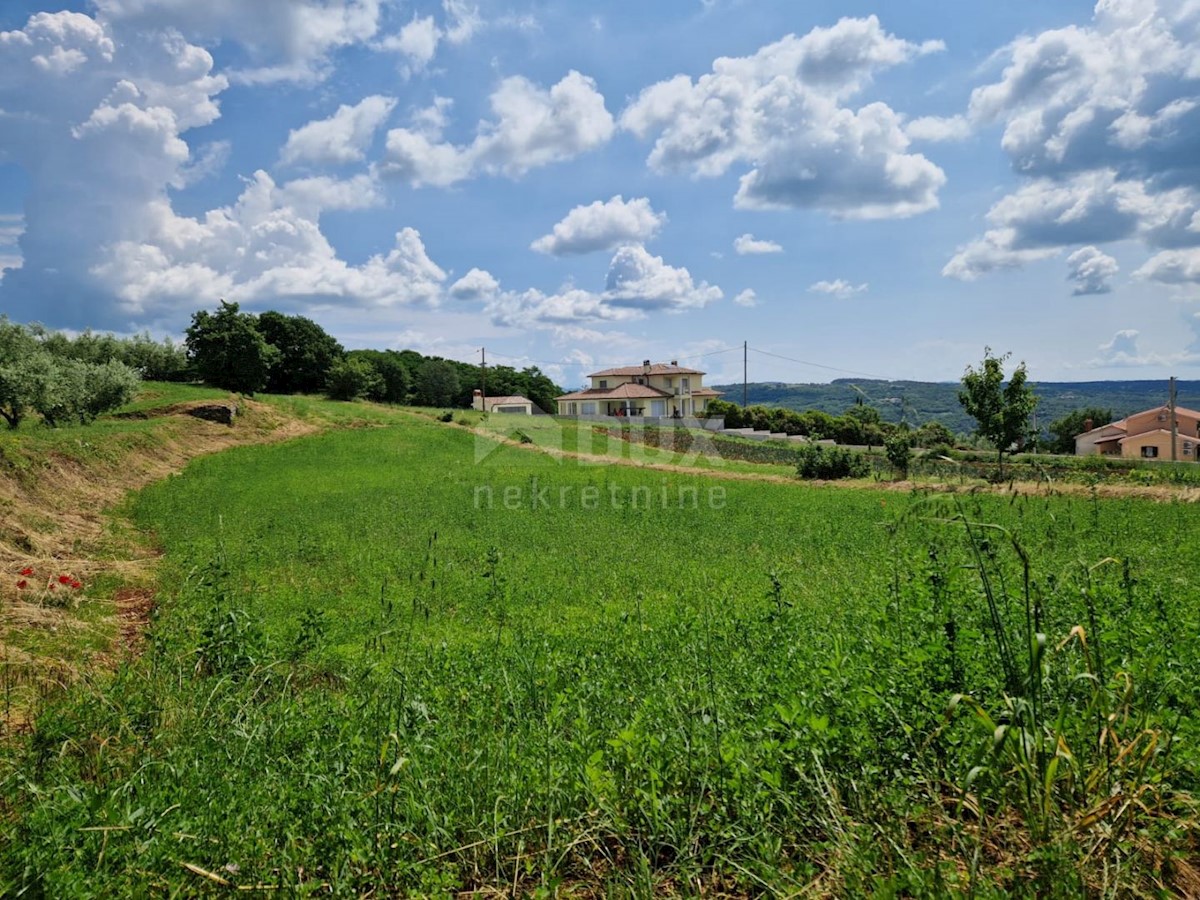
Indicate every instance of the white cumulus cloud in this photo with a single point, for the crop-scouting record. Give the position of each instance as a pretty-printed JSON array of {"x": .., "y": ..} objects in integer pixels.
[
  {"x": 781, "y": 112},
  {"x": 602, "y": 226},
  {"x": 477, "y": 284},
  {"x": 1103, "y": 120},
  {"x": 340, "y": 139},
  {"x": 749, "y": 245},
  {"x": 747, "y": 298},
  {"x": 1091, "y": 270},
  {"x": 839, "y": 288},
  {"x": 532, "y": 127},
  {"x": 285, "y": 40}
]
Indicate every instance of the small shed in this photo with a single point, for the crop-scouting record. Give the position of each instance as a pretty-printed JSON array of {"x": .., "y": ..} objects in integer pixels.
[{"x": 514, "y": 405}]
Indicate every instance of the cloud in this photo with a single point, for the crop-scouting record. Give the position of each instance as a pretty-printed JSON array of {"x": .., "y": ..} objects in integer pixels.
[
  {"x": 746, "y": 298},
  {"x": 637, "y": 284},
  {"x": 749, "y": 245},
  {"x": 475, "y": 285},
  {"x": 839, "y": 288},
  {"x": 1091, "y": 270},
  {"x": 1047, "y": 215},
  {"x": 532, "y": 127},
  {"x": 935, "y": 129},
  {"x": 641, "y": 281},
  {"x": 1103, "y": 121},
  {"x": 342, "y": 138},
  {"x": 1123, "y": 352},
  {"x": 284, "y": 40},
  {"x": 419, "y": 39},
  {"x": 602, "y": 226},
  {"x": 780, "y": 111},
  {"x": 265, "y": 249},
  {"x": 1172, "y": 267}
]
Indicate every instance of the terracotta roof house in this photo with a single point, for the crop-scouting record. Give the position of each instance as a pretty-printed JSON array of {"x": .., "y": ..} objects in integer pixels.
[
  {"x": 651, "y": 389},
  {"x": 1145, "y": 435},
  {"x": 516, "y": 404}
]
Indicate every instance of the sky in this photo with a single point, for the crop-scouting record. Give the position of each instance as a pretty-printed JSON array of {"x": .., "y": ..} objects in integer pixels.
[{"x": 852, "y": 189}]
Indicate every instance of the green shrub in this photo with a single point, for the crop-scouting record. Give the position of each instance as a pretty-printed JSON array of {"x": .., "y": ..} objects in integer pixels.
[
  {"x": 350, "y": 379},
  {"x": 819, "y": 461}
]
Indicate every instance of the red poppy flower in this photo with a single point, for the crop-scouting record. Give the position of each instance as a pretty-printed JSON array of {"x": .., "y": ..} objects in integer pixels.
[
  {"x": 64, "y": 579},
  {"x": 77, "y": 584},
  {"x": 22, "y": 584},
  {"x": 28, "y": 570}
]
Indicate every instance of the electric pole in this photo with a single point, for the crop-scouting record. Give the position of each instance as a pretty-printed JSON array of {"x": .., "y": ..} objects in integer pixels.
[
  {"x": 745, "y": 384},
  {"x": 1174, "y": 423},
  {"x": 483, "y": 370}
]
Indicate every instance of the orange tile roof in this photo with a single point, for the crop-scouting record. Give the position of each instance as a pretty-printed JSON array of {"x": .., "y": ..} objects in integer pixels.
[
  {"x": 655, "y": 369},
  {"x": 627, "y": 391}
]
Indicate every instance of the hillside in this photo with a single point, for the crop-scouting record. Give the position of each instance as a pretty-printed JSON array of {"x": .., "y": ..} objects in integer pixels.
[{"x": 922, "y": 401}]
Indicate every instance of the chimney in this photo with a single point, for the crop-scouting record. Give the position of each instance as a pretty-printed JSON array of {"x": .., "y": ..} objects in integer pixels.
[
  {"x": 645, "y": 367},
  {"x": 477, "y": 399},
  {"x": 674, "y": 362},
  {"x": 1087, "y": 425}
]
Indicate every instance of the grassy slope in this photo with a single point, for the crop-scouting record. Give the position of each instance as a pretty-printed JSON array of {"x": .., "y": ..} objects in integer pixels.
[{"x": 361, "y": 681}]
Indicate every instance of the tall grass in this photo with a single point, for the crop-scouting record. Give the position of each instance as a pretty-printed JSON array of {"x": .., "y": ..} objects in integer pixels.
[{"x": 362, "y": 682}]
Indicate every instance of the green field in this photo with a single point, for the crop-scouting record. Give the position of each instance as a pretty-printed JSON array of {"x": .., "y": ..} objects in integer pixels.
[{"x": 387, "y": 661}]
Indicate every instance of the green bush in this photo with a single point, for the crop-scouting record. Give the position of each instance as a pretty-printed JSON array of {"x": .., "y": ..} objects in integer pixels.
[
  {"x": 350, "y": 379},
  {"x": 819, "y": 461}
]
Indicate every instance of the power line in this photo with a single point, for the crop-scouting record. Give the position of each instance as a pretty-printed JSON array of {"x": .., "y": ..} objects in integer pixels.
[{"x": 820, "y": 366}]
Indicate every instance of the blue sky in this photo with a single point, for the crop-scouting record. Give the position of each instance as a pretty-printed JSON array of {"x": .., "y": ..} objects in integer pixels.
[{"x": 877, "y": 189}]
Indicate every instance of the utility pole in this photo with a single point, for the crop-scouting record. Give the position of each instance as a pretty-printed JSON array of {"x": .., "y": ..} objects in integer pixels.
[
  {"x": 483, "y": 369},
  {"x": 1174, "y": 424},
  {"x": 745, "y": 384}
]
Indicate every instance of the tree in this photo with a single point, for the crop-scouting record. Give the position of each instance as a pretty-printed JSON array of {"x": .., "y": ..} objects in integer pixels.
[
  {"x": 394, "y": 382},
  {"x": 306, "y": 353},
  {"x": 898, "y": 448},
  {"x": 227, "y": 350},
  {"x": 437, "y": 383},
  {"x": 1064, "y": 431},
  {"x": 350, "y": 379},
  {"x": 1001, "y": 410}
]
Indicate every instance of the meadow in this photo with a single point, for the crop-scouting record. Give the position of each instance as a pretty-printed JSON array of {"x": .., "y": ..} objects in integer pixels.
[{"x": 401, "y": 660}]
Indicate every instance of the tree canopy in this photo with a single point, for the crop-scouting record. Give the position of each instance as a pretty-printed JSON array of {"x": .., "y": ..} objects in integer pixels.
[
  {"x": 1000, "y": 409},
  {"x": 227, "y": 350}
]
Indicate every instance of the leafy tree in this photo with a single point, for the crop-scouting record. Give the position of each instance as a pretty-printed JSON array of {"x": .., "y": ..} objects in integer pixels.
[
  {"x": 228, "y": 351},
  {"x": 350, "y": 379},
  {"x": 1064, "y": 431},
  {"x": 898, "y": 448},
  {"x": 1001, "y": 410},
  {"x": 394, "y": 381},
  {"x": 933, "y": 434},
  {"x": 306, "y": 353},
  {"x": 437, "y": 383}
]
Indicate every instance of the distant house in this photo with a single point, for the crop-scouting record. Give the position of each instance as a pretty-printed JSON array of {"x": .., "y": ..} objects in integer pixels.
[
  {"x": 516, "y": 405},
  {"x": 1145, "y": 435},
  {"x": 659, "y": 390}
]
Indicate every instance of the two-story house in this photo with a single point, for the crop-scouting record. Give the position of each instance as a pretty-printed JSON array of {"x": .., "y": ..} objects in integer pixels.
[
  {"x": 658, "y": 390},
  {"x": 1146, "y": 435}
]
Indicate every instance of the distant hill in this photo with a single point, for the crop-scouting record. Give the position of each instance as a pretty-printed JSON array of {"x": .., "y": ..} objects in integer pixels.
[{"x": 921, "y": 401}]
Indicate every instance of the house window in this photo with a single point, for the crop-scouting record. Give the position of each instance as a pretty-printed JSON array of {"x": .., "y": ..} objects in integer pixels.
[
  {"x": 603, "y": 382},
  {"x": 1187, "y": 448},
  {"x": 589, "y": 407},
  {"x": 686, "y": 385},
  {"x": 1149, "y": 452},
  {"x": 668, "y": 382},
  {"x": 573, "y": 409}
]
